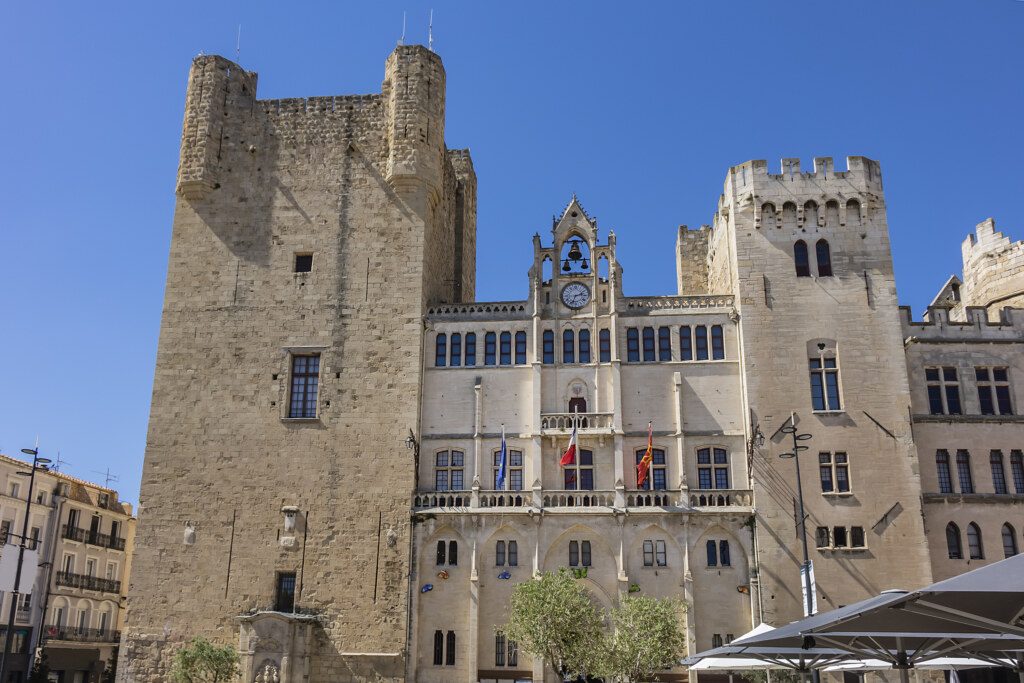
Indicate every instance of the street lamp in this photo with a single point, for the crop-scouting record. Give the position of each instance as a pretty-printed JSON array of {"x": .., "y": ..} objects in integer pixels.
[
  {"x": 805, "y": 570},
  {"x": 38, "y": 465}
]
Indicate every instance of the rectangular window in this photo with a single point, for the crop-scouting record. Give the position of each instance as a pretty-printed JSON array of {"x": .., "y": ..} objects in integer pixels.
[
  {"x": 821, "y": 537},
  {"x": 660, "y": 555},
  {"x": 513, "y": 653},
  {"x": 490, "y": 348},
  {"x": 835, "y": 472},
  {"x": 998, "y": 474},
  {"x": 701, "y": 333},
  {"x": 505, "y": 341},
  {"x": 839, "y": 536},
  {"x": 470, "y": 349},
  {"x": 824, "y": 384},
  {"x": 514, "y": 470},
  {"x": 942, "y": 470},
  {"x": 580, "y": 475},
  {"x": 712, "y": 468},
  {"x": 856, "y": 537},
  {"x": 499, "y": 649},
  {"x": 963, "y": 471},
  {"x": 438, "y": 648},
  {"x": 656, "y": 475},
  {"x": 455, "y": 359},
  {"x": 34, "y": 537},
  {"x": 717, "y": 343},
  {"x": 285, "y": 596},
  {"x": 664, "y": 344},
  {"x": 574, "y": 553},
  {"x": 520, "y": 348},
  {"x": 449, "y": 653},
  {"x": 585, "y": 553},
  {"x": 568, "y": 347},
  {"x": 685, "y": 343},
  {"x": 499, "y": 554},
  {"x": 303, "y": 263},
  {"x": 549, "y": 347},
  {"x": 943, "y": 391},
  {"x": 513, "y": 554},
  {"x": 440, "y": 350},
  {"x": 994, "y": 391},
  {"x": 648, "y": 344},
  {"x": 15, "y": 489},
  {"x": 1017, "y": 470},
  {"x": 648, "y": 553},
  {"x": 632, "y": 345},
  {"x": 305, "y": 384},
  {"x": 605, "y": 346},
  {"x": 584, "y": 339},
  {"x": 448, "y": 470}
]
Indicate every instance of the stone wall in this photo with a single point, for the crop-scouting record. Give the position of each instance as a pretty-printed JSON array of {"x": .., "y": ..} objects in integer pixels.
[
  {"x": 993, "y": 270},
  {"x": 358, "y": 182},
  {"x": 692, "y": 260}
]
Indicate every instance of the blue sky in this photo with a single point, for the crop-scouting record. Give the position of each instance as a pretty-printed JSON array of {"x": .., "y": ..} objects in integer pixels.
[{"x": 639, "y": 108}]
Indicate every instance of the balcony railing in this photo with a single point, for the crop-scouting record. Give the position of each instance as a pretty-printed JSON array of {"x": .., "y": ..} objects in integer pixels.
[
  {"x": 721, "y": 497},
  {"x": 563, "y": 423},
  {"x": 82, "y": 635},
  {"x": 92, "y": 538},
  {"x": 585, "y": 499},
  {"x": 92, "y": 583}
]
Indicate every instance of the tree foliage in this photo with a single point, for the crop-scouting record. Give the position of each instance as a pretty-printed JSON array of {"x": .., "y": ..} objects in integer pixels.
[
  {"x": 553, "y": 618},
  {"x": 646, "y": 638},
  {"x": 203, "y": 662}
]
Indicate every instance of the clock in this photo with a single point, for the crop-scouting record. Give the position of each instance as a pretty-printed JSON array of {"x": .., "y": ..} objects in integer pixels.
[{"x": 575, "y": 295}]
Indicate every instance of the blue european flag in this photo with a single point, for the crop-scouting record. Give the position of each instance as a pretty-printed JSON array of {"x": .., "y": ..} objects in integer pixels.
[{"x": 502, "y": 462}]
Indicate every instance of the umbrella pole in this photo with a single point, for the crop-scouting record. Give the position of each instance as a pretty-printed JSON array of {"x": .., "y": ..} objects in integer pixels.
[{"x": 904, "y": 675}]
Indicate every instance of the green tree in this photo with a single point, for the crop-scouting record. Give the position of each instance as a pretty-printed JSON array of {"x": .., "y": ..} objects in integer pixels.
[
  {"x": 203, "y": 662},
  {"x": 40, "y": 671},
  {"x": 647, "y": 638},
  {"x": 553, "y": 618}
]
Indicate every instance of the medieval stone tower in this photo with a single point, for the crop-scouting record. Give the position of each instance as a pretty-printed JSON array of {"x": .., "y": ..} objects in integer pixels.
[
  {"x": 807, "y": 256},
  {"x": 277, "y": 476}
]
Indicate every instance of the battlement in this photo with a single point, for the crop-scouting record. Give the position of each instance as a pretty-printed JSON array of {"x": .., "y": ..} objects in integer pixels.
[
  {"x": 938, "y": 327},
  {"x": 993, "y": 269}
]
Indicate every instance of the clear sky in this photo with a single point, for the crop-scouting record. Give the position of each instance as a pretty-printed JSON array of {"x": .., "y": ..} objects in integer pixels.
[{"x": 639, "y": 108}]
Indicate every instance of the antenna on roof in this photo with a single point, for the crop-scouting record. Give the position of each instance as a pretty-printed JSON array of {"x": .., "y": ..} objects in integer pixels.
[
  {"x": 238, "y": 44},
  {"x": 430, "y": 32},
  {"x": 58, "y": 463},
  {"x": 107, "y": 477},
  {"x": 401, "y": 41}
]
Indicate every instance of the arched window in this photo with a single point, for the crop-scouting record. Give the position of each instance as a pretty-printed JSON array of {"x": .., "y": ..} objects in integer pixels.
[
  {"x": 1017, "y": 470},
  {"x": 803, "y": 264},
  {"x": 442, "y": 553},
  {"x": 685, "y": 343},
  {"x": 832, "y": 214},
  {"x": 768, "y": 215},
  {"x": 513, "y": 554},
  {"x": 995, "y": 459},
  {"x": 584, "y": 345},
  {"x": 811, "y": 214},
  {"x": 499, "y": 554},
  {"x": 449, "y": 655},
  {"x": 956, "y": 551},
  {"x": 853, "y": 212},
  {"x": 605, "y": 345},
  {"x": 490, "y": 348},
  {"x": 470, "y": 349},
  {"x": 723, "y": 554},
  {"x": 549, "y": 347},
  {"x": 942, "y": 471},
  {"x": 717, "y": 343},
  {"x": 701, "y": 334},
  {"x": 520, "y": 348},
  {"x": 438, "y": 648},
  {"x": 712, "y": 549},
  {"x": 974, "y": 546},
  {"x": 664, "y": 344},
  {"x": 455, "y": 359},
  {"x": 568, "y": 346},
  {"x": 963, "y": 471},
  {"x": 1009, "y": 541},
  {"x": 453, "y": 553},
  {"x": 648, "y": 344},
  {"x": 505, "y": 341},
  {"x": 441, "y": 350},
  {"x": 824, "y": 256},
  {"x": 789, "y": 215}
]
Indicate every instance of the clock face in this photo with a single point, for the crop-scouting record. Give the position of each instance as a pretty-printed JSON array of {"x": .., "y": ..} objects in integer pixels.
[{"x": 575, "y": 295}]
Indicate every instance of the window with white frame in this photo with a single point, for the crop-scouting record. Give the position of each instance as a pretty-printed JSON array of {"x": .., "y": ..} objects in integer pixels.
[
  {"x": 514, "y": 470},
  {"x": 834, "y": 471},
  {"x": 824, "y": 373},
  {"x": 994, "y": 391},
  {"x": 943, "y": 390},
  {"x": 448, "y": 470},
  {"x": 579, "y": 476},
  {"x": 656, "y": 476},
  {"x": 712, "y": 468}
]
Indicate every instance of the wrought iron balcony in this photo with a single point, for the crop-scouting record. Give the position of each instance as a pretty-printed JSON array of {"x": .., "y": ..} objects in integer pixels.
[
  {"x": 92, "y": 538},
  {"x": 92, "y": 583},
  {"x": 81, "y": 635},
  {"x": 552, "y": 424}
]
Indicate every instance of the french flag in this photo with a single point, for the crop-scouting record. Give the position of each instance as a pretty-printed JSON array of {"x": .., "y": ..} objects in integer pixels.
[{"x": 569, "y": 457}]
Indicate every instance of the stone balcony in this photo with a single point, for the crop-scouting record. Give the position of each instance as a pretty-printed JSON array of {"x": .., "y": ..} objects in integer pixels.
[
  {"x": 555, "y": 424},
  {"x": 555, "y": 500}
]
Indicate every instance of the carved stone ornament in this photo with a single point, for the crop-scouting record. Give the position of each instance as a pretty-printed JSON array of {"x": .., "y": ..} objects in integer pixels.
[
  {"x": 392, "y": 538},
  {"x": 190, "y": 534},
  {"x": 267, "y": 674}
]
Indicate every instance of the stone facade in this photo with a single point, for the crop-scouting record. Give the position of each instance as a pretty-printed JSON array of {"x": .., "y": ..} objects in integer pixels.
[{"x": 358, "y": 532}]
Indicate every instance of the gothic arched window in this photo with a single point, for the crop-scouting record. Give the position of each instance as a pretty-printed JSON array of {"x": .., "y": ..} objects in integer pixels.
[
  {"x": 974, "y": 542},
  {"x": 803, "y": 264},
  {"x": 568, "y": 346},
  {"x": 824, "y": 256},
  {"x": 1009, "y": 541},
  {"x": 956, "y": 551}
]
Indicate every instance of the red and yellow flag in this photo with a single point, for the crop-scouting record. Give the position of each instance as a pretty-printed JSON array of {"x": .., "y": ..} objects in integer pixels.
[{"x": 644, "y": 465}]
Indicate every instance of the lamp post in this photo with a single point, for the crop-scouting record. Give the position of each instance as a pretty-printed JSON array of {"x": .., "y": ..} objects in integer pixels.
[
  {"x": 805, "y": 570},
  {"x": 38, "y": 464}
]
